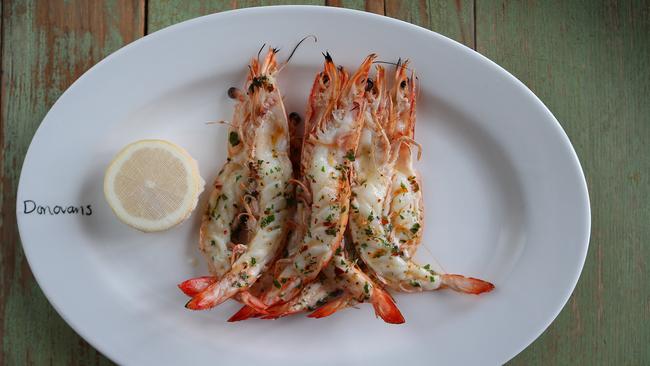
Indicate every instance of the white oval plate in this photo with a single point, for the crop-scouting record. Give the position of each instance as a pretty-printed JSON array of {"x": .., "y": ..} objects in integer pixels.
[{"x": 506, "y": 199}]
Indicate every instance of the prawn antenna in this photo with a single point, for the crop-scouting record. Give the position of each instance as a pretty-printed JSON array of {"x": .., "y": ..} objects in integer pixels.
[
  {"x": 397, "y": 64},
  {"x": 219, "y": 123},
  {"x": 298, "y": 45},
  {"x": 260, "y": 51}
]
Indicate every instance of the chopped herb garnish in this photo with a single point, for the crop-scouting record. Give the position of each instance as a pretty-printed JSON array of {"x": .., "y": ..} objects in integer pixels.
[
  {"x": 267, "y": 220},
  {"x": 415, "y": 228},
  {"x": 277, "y": 284},
  {"x": 395, "y": 250},
  {"x": 331, "y": 231},
  {"x": 366, "y": 288},
  {"x": 415, "y": 284},
  {"x": 253, "y": 261},
  {"x": 322, "y": 169},
  {"x": 350, "y": 155}
]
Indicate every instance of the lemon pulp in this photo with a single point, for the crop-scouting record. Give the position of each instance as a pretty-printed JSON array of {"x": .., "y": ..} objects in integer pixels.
[{"x": 152, "y": 185}]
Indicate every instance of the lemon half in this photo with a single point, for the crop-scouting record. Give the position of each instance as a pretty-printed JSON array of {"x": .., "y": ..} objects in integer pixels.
[{"x": 153, "y": 185}]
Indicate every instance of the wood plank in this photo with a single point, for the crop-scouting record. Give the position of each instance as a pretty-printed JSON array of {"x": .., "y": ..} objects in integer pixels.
[
  {"x": 589, "y": 62},
  {"x": 451, "y": 18},
  {"x": 163, "y": 13},
  {"x": 372, "y": 6},
  {"x": 46, "y": 45}
]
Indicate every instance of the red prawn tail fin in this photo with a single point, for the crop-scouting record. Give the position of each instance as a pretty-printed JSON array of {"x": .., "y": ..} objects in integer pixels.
[
  {"x": 279, "y": 311},
  {"x": 385, "y": 306},
  {"x": 194, "y": 286},
  {"x": 468, "y": 285},
  {"x": 252, "y": 302},
  {"x": 246, "y": 312},
  {"x": 330, "y": 308},
  {"x": 212, "y": 296}
]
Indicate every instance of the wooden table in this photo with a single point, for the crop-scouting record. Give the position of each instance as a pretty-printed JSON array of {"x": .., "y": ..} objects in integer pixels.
[{"x": 589, "y": 61}]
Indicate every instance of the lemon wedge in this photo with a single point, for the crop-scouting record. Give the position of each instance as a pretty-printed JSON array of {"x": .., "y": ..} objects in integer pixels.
[{"x": 153, "y": 185}]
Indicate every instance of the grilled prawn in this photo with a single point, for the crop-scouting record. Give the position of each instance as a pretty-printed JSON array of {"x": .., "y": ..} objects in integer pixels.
[
  {"x": 334, "y": 115},
  {"x": 386, "y": 209},
  {"x": 354, "y": 284},
  {"x": 228, "y": 210},
  {"x": 265, "y": 136}
]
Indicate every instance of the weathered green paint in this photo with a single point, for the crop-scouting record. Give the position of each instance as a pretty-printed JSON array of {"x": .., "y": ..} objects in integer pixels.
[
  {"x": 163, "y": 13},
  {"x": 46, "y": 45},
  {"x": 372, "y": 6},
  {"x": 454, "y": 19},
  {"x": 589, "y": 62},
  {"x": 451, "y": 18}
]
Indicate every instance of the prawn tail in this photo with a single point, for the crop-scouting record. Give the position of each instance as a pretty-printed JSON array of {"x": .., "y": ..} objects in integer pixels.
[
  {"x": 385, "y": 306},
  {"x": 212, "y": 296},
  {"x": 252, "y": 302},
  {"x": 330, "y": 308},
  {"x": 194, "y": 286},
  {"x": 246, "y": 312},
  {"x": 468, "y": 285},
  {"x": 279, "y": 311}
]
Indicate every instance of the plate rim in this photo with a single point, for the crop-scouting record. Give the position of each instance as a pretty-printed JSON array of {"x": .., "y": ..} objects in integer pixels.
[{"x": 468, "y": 52}]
